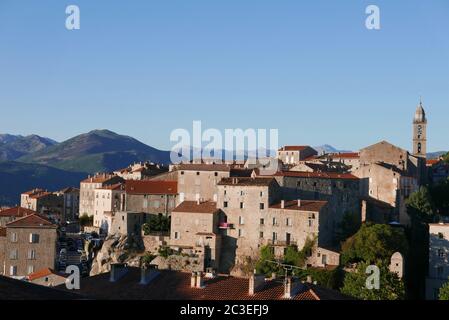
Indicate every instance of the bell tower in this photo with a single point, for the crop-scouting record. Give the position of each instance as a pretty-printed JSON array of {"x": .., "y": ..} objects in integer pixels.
[{"x": 420, "y": 132}]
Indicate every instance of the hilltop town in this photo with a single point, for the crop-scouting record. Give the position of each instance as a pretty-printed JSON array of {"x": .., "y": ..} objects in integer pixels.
[{"x": 302, "y": 232}]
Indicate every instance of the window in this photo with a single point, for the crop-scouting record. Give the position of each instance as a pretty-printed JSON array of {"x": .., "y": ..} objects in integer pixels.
[
  {"x": 225, "y": 192},
  {"x": 261, "y": 206},
  {"x": 242, "y": 193},
  {"x": 198, "y": 173},
  {"x": 441, "y": 253},
  {"x": 241, "y": 220},
  {"x": 240, "y": 233},
  {"x": 216, "y": 174},
  {"x": 31, "y": 254},
  {"x": 288, "y": 222},
  {"x": 34, "y": 238},
  {"x": 261, "y": 193},
  {"x": 177, "y": 237},
  {"x": 262, "y": 221},
  {"x": 261, "y": 235},
  {"x": 30, "y": 269},
  {"x": 275, "y": 236},
  {"x": 275, "y": 222},
  {"x": 14, "y": 254},
  {"x": 182, "y": 172},
  {"x": 225, "y": 204},
  {"x": 440, "y": 235},
  {"x": 123, "y": 218},
  {"x": 14, "y": 237},
  {"x": 241, "y": 205},
  {"x": 13, "y": 270}
]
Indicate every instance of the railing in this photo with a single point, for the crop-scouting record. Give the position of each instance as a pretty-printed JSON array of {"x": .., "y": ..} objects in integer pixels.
[
  {"x": 225, "y": 225},
  {"x": 282, "y": 243}
]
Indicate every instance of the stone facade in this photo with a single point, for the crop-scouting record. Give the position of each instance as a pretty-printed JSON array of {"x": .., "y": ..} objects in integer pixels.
[
  {"x": 107, "y": 200},
  {"x": 291, "y": 155},
  {"x": 126, "y": 223},
  {"x": 43, "y": 202},
  {"x": 71, "y": 200},
  {"x": 438, "y": 273}
]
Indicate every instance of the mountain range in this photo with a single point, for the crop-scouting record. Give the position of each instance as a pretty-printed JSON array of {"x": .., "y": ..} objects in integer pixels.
[{"x": 33, "y": 161}]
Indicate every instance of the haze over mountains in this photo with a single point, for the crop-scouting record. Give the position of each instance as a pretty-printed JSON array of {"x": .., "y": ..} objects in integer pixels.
[{"x": 34, "y": 161}]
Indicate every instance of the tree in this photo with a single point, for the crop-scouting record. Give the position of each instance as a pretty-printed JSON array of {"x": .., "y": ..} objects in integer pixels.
[
  {"x": 157, "y": 223},
  {"x": 85, "y": 220},
  {"x": 263, "y": 266},
  {"x": 420, "y": 206},
  {"x": 390, "y": 286},
  {"x": 446, "y": 157},
  {"x": 444, "y": 292},
  {"x": 296, "y": 257},
  {"x": 373, "y": 242}
]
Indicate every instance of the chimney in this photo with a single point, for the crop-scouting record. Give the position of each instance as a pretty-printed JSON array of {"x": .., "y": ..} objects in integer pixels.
[
  {"x": 193, "y": 280},
  {"x": 288, "y": 288},
  {"x": 118, "y": 270},
  {"x": 148, "y": 274},
  {"x": 299, "y": 202},
  {"x": 256, "y": 282},
  {"x": 282, "y": 204},
  {"x": 199, "y": 280}
]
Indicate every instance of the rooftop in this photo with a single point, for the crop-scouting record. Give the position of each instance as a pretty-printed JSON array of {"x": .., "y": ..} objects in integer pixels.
[
  {"x": 173, "y": 285},
  {"x": 98, "y": 178},
  {"x": 293, "y": 148},
  {"x": 33, "y": 221},
  {"x": 305, "y": 205},
  {"x": 16, "y": 212},
  {"x": 195, "y": 207},
  {"x": 203, "y": 167},
  {"x": 246, "y": 181},
  {"x": 321, "y": 175},
  {"x": 43, "y": 273},
  {"x": 151, "y": 187}
]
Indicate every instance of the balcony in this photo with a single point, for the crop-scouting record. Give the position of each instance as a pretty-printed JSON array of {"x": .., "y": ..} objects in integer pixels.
[
  {"x": 280, "y": 243},
  {"x": 225, "y": 225}
]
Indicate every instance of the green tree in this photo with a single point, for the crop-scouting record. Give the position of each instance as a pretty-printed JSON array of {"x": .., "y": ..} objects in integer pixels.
[
  {"x": 444, "y": 292},
  {"x": 85, "y": 220},
  {"x": 263, "y": 266},
  {"x": 420, "y": 206},
  {"x": 296, "y": 257},
  {"x": 158, "y": 223},
  {"x": 390, "y": 286},
  {"x": 373, "y": 242},
  {"x": 440, "y": 197}
]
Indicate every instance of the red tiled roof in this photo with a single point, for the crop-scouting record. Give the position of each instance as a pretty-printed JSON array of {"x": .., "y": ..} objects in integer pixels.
[
  {"x": 293, "y": 148},
  {"x": 322, "y": 175},
  {"x": 32, "y": 220},
  {"x": 203, "y": 167},
  {"x": 194, "y": 207},
  {"x": 100, "y": 178},
  {"x": 246, "y": 181},
  {"x": 16, "y": 212},
  {"x": 34, "y": 191},
  {"x": 43, "y": 273},
  {"x": 346, "y": 155},
  {"x": 431, "y": 162},
  {"x": 117, "y": 186},
  {"x": 306, "y": 205},
  {"x": 151, "y": 187},
  {"x": 173, "y": 285}
]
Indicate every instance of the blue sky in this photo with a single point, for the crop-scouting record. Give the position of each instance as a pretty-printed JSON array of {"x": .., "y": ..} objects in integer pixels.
[{"x": 143, "y": 68}]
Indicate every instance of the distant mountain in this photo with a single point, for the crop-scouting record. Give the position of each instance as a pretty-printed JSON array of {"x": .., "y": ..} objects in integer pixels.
[
  {"x": 96, "y": 151},
  {"x": 13, "y": 147},
  {"x": 435, "y": 155},
  {"x": 17, "y": 177},
  {"x": 326, "y": 148}
]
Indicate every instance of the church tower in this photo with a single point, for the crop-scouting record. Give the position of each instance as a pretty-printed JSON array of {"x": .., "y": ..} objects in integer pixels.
[{"x": 419, "y": 132}]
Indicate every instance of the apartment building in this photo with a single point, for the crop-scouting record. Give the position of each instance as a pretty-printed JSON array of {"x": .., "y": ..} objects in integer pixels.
[
  {"x": 194, "y": 228},
  {"x": 108, "y": 199},
  {"x": 438, "y": 272},
  {"x": 292, "y": 155},
  {"x": 71, "y": 200},
  {"x": 30, "y": 245},
  {"x": 47, "y": 203},
  {"x": 151, "y": 196},
  {"x": 88, "y": 187},
  {"x": 11, "y": 214}
]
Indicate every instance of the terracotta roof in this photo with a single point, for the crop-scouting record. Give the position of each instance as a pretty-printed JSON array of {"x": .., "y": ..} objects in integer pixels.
[
  {"x": 173, "y": 285},
  {"x": 117, "y": 186},
  {"x": 431, "y": 162},
  {"x": 40, "y": 195},
  {"x": 12, "y": 289},
  {"x": 321, "y": 175},
  {"x": 346, "y": 155},
  {"x": 43, "y": 273},
  {"x": 34, "y": 191},
  {"x": 16, "y": 212},
  {"x": 151, "y": 187},
  {"x": 245, "y": 181},
  {"x": 2, "y": 232},
  {"x": 100, "y": 178},
  {"x": 194, "y": 207},
  {"x": 203, "y": 167},
  {"x": 293, "y": 148},
  {"x": 69, "y": 189},
  {"x": 306, "y": 205},
  {"x": 32, "y": 220}
]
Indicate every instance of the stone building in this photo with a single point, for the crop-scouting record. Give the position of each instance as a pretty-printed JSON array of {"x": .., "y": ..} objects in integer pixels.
[
  {"x": 350, "y": 159},
  {"x": 340, "y": 190},
  {"x": 108, "y": 199},
  {"x": 438, "y": 271},
  {"x": 438, "y": 170},
  {"x": 125, "y": 223},
  {"x": 71, "y": 201},
  {"x": 151, "y": 196},
  {"x": 291, "y": 155},
  {"x": 194, "y": 229},
  {"x": 87, "y": 191},
  {"x": 47, "y": 277},
  {"x": 30, "y": 245},
  {"x": 44, "y": 202},
  {"x": 141, "y": 170}
]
